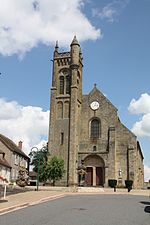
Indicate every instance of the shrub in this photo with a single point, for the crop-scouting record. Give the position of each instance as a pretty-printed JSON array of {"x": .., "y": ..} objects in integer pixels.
[
  {"x": 128, "y": 183},
  {"x": 112, "y": 183}
]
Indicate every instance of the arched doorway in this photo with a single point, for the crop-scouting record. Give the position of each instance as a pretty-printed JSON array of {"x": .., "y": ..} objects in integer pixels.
[{"x": 95, "y": 171}]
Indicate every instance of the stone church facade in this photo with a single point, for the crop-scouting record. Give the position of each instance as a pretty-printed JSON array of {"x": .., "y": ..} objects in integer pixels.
[{"x": 85, "y": 130}]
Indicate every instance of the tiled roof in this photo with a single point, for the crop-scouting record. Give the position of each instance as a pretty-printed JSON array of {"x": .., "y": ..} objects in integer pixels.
[
  {"x": 12, "y": 146},
  {"x": 4, "y": 163}
]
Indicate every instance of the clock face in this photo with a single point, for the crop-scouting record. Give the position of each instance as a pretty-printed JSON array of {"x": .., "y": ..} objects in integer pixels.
[{"x": 94, "y": 105}]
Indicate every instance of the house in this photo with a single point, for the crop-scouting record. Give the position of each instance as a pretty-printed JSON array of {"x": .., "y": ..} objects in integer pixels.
[
  {"x": 5, "y": 168},
  {"x": 11, "y": 158}
]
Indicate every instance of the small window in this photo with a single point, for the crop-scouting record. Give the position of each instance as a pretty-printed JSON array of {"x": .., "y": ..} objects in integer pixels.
[
  {"x": 95, "y": 128},
  {"x": 94, "y": 148},
  {"x": 62, "y": 138}
]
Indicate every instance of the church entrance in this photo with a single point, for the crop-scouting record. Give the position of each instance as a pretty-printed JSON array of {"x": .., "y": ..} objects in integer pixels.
[
  {"x": 94, "y": 171},
  {"x": 89, "y": 176},
  {"x": 99, "y": 176}
]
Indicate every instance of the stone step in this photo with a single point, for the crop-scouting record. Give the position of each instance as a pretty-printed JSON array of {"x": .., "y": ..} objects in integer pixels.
[{"x": 90, "y": 189}]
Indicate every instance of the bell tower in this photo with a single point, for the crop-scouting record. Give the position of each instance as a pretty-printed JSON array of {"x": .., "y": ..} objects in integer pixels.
[{"x": 65, "y": 108}]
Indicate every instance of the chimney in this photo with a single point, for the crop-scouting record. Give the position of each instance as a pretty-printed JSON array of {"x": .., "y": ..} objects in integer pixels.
[{"x": 20, "y": 145}]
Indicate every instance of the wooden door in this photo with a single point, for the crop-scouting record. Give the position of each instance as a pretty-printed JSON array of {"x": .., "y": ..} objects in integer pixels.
[
  {"x": 89, "y": 176},
  {"x": 99, "y": 176}
]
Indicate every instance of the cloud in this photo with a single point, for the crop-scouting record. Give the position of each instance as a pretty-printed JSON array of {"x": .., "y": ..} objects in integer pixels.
[
  {"x": 26, "y": 123},
  {"x": 25, "y": 24},
  {"x": 111, "y": 10},
  {"x": 147, "y": 173},
  {"x": 141, "y": 106}
]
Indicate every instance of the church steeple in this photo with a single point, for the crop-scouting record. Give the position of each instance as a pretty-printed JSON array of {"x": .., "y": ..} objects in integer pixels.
[{"x": 66, "y": 98}]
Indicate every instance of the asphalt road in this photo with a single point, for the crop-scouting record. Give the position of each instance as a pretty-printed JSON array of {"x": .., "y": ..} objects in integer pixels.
[{"x": 84, "y": 210}]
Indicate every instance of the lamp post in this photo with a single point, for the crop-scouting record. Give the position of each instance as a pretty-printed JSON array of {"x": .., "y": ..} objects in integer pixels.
[{"x": 38, "y": 161}]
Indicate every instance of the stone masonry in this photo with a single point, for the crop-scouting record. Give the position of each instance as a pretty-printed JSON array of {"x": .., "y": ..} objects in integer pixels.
[{"x": 86, "y": 130}]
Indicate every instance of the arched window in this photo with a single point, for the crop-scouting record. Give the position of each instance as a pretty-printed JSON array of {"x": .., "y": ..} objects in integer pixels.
[
  {"x": 67, "y": 84},
  {"x": 64, "y": 81},
  {"x": 95, "y": 128},
  {"x": 61, "y": 90}
]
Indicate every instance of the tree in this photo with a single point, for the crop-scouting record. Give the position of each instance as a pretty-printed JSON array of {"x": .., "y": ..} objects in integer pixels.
[
  {"x": 23, "y": 177},
  {"x": 55, "y": 169},
  {"x": 47, "y": 168},
  {"x": 40, "y": 159}
]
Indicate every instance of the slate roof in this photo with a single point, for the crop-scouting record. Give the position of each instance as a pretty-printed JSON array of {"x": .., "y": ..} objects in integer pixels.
[{"x": 12, "y": 146}]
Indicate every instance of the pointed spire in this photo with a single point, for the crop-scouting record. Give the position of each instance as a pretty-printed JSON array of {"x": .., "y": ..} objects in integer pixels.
[
  {"x": 75, "y": 41},
  {"x": 56, "y": 46}
]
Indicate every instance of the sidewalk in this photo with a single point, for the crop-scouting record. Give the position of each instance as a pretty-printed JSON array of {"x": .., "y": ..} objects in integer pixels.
[
  {"x": 15, "y": 201},
  {"x": 31, "y": 197}
]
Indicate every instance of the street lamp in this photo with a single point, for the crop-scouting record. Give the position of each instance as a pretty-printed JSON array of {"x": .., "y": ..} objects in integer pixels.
[{"x": 38, "y": 161}]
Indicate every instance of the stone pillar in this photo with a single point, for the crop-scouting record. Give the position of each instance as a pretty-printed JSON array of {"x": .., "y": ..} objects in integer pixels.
[
  {"x": 52, "y": 118},
  {"x": 106, "y": 176},
  {"x": 94, "y": 176},
  {"x": 131, "y": 160},
  {"x": 112, "y": 154}
]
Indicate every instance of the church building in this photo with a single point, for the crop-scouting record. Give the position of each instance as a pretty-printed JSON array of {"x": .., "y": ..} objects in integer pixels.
[{"x": 85, "y": 129}]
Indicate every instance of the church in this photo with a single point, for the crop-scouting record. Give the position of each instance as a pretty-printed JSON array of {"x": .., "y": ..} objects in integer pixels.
[{"x": 85, "y": 130}]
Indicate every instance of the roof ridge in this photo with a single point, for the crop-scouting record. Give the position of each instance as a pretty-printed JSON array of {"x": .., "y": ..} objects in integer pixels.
[{"x": 11, "y": 145}]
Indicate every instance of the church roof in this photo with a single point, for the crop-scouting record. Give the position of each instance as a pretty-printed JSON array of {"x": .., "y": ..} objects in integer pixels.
[{"x": 140, "y": 150}]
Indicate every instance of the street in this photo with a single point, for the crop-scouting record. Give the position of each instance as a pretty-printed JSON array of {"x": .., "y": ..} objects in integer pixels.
[{"x": 84, "y": 210}]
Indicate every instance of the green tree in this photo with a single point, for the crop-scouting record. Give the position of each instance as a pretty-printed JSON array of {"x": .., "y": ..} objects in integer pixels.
[
  {"x": 55, "y": 169},
  {"x": 40, "y": 159}
]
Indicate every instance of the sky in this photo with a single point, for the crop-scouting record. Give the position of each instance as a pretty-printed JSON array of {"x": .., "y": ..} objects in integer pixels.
[{"x": 115, "y": 40}]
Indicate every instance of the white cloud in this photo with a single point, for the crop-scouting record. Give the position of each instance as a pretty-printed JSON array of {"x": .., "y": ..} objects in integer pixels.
[
  {"x": 26, "y": 123},
  {"x": 25, "y": 24},
  {"x": 147, "y": 173},
  {"x": 141, "y": 106},
  {"x": 111, "y": 10}
]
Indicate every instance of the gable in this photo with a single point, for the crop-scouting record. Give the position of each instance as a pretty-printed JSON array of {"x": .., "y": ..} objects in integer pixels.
[{"x": 96, "y": 94}]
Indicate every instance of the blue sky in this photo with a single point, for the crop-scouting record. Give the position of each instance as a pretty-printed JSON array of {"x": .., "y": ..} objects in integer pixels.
[{"x": 114, "y": 37}]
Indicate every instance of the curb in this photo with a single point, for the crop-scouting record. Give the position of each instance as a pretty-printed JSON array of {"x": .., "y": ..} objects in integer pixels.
[
  {"x": 47, "y": 198},
  {"x": 13, "y": 208}
]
